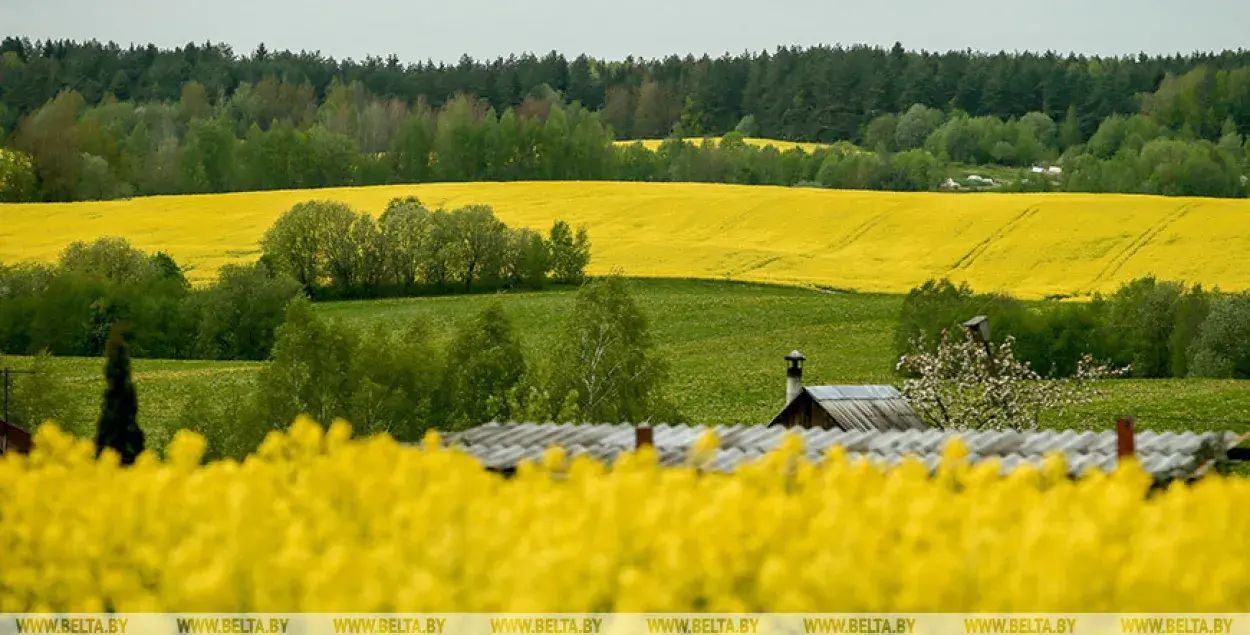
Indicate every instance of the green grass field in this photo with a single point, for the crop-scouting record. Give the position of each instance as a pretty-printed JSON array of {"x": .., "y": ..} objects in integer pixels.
[{"x": 724, "y": 342}]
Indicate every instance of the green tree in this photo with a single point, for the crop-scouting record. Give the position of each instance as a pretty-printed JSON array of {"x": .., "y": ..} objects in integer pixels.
[
  {"x": 527, "y": 258},
  {"x": 607, "y": 358},
  {"x": 410, "y": 149},
  {"x": 17, "y": 177},
  {"x": 881, "y": 133},
  {"x": 238, "y": 315},
  {"x": 484, "y": 364},
  {"x": 193, "y": 104},
  {"x": 50, "y": 137},
  {"x": 209, "y": 156},
  {"x": 480, "y": 239},
  {"x": 1222, "y": 346},
  {"x": 312, "y": 370},
  {"x": 300, "y": 243},
  {"x": 569, "y": 254},
  {"x": 40, "y": 396},
  {"x": 118, "y": 426},
  {"x": 915, "y": 126},
  {"x": 1070, "y": 131}
]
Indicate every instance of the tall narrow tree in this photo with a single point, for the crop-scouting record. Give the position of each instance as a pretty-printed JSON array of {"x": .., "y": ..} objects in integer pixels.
[{"x": 118, "y": 427}]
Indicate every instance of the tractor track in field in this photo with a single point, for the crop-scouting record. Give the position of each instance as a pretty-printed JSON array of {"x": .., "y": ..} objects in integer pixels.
[
  {"x": 1141, "y": 241},
  {"x": 858, "y": 232},
  {"x": 1006, "y": 229}
]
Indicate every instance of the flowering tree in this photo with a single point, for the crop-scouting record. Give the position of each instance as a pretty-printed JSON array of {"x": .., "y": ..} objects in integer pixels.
[{"x": 959, "y": 384}]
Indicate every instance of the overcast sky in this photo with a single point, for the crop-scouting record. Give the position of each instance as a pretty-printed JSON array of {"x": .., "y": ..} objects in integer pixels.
[{"x": 445, "y": 29}]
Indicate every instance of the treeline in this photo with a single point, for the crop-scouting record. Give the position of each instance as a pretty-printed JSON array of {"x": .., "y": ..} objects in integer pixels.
[
  {"x": 405, "y": 381},
  {"x": 123, "y": 149},
  {"x": 68, "y": 308},
  {"x": 321, "y": 249},
  {"x": 823, "y": 93},
  {"x": 1158, "y": 328},
  {"x": 335, "y": 252}
]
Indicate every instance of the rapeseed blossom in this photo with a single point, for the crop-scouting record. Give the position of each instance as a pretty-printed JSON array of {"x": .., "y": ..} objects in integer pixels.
[
  {"x": 318, "y": 521},
  {"x": 1031, "y": 245}
]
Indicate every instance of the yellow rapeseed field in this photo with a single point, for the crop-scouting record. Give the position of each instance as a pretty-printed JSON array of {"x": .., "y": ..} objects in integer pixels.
[
  {"x": 318, "y": 522},
  {"x": 783, "y": 146},
  {"x": 1029, "y": 244}
]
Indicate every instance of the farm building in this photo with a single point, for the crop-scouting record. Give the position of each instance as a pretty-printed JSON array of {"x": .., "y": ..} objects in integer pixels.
[
  {"x": 842, "y": 407},
  {"x": 13, "y": 438},
  {"x": 874, "y": 423}
]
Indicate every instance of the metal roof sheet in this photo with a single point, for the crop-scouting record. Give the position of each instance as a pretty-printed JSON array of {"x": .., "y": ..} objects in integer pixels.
[
  {"x": 838, "y": 393},
  {"x": 1164, "y": 454},
  {"x": 864, "y": 407}
]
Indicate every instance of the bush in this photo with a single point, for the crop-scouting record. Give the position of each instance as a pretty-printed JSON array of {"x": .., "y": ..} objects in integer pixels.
[
  {"x": 387, "y": 380},
  {"x": 68, "y": 309},
  {"x": 1147, "y": 325},
  {"x": 1222, "y": 346},
  {"x": 237, "y": 316},
  {"x": 484, "y": 364}
]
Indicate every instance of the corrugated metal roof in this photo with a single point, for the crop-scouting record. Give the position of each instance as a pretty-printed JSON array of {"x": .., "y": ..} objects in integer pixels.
[
  {"x": 1166, "y": 455},
  {"x": 837, "y": 393},
  {"x": 863, "y": 407}
]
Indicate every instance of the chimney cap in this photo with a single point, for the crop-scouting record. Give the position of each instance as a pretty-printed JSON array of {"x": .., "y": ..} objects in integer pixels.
[{"x": 795, "y": 356}]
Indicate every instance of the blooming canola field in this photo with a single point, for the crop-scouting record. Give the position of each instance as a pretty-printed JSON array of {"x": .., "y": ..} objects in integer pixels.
[
  {"x": 318, "y": 521},
  {"x": 1032, "y": 245},
  {"x": 782, "y": 146}
]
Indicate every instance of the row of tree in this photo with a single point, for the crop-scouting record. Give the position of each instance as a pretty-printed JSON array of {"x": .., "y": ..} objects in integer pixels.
[
  {"x": 1155, "y": 328},
  {"x": 334, "y": 251},
  {"x": 69, "y": 308},
  {"x": 403, "y": 382},
  {"x": 67, "y": 151},
  {"x": 823, "y": 93}
]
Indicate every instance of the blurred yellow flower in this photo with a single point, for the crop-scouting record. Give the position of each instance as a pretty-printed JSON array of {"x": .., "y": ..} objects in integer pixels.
[{"x": 317, "y": 521}]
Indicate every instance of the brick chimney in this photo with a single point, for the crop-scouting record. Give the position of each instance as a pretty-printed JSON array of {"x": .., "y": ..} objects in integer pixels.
[{"x": 794, "y": 375}]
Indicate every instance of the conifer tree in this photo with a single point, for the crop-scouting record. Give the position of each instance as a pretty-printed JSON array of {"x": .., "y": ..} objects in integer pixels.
[{"x": 118, "y": 427}]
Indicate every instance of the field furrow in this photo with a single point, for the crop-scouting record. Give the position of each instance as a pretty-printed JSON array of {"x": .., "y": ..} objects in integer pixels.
[{"x": 868, "y": 241}]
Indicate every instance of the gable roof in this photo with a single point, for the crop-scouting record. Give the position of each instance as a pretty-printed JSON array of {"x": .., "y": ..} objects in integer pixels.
[
  {"x": 858, "y": 407},
  {"x": 1166, "y": 455}
]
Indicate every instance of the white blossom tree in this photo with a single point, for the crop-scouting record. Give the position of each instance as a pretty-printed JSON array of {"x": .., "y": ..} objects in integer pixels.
[{"x": 959, "y": 384}]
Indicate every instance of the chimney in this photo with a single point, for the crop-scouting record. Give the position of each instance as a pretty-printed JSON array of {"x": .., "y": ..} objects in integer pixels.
[
  {"x": 794, "y": 376},
  {"x": 1125, "y": 446}
]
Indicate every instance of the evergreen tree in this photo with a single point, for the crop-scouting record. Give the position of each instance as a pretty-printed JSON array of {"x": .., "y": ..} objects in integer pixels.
[{"x": 118, "y": 427}]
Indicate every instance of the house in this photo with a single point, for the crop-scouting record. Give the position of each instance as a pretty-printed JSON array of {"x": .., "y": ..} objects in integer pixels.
[
  {"x": 842, "y": 407},
  {"x": 14, "y": 439},
  {"x": 872, "y": 423}
]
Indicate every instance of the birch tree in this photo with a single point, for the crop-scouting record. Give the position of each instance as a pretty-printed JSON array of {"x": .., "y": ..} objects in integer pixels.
[{"x": 607, "y": 357}]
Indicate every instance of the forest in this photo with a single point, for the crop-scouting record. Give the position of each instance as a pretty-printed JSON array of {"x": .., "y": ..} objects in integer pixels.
[{"x": 83, "y": 121}]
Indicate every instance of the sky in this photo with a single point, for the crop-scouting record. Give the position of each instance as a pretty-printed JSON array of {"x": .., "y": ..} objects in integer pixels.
[{"x": 443, "y": 30}]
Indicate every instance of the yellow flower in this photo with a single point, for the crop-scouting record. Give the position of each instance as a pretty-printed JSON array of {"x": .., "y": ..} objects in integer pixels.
[{"x": 323, "y": 522}]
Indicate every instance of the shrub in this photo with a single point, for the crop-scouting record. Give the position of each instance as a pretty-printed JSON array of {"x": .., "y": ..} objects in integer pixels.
[{"x": 1222, "y": 345}]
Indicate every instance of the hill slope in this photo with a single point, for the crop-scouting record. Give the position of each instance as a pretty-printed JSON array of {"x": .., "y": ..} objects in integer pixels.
[
  {"x": 1030, "y": 244},
  {"x": 724, "y": 343}
]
